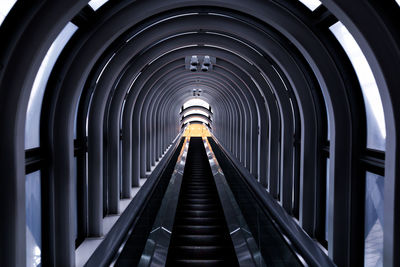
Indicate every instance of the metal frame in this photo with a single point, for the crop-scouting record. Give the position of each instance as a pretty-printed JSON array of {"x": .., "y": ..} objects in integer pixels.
[{"x": 284, "y": 41}]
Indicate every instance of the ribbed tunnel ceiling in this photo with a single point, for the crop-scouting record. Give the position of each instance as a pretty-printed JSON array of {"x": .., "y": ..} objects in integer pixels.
[{"x": 281, "y": 95}]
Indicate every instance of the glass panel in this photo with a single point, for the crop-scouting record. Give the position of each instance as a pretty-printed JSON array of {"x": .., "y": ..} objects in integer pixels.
[
  {"x": 39, "y": 86},
  {"x": 196, "y": 111},
  {"x": 96, "y": 4},
  {"x": 275, "y": 247},
  {"x": 376, "y": 132},
  {"x": 311, "y": 4},
  {"x": 373, "y": 255},
  {"x": 196, "y": 102},
  {"x": 33, "y": 219},
  {"x": 5, "y": 7},
  {"x": 398, "y": 2}
]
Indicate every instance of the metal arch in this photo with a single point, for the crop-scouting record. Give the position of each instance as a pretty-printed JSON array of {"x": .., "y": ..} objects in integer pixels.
[
  {"x": 167, "y": 102},
  {"x": 281, "y": 96},
  {"x": 191, "y": 116},
  {"x": 310, "y": 120},
  {"x": 272, "y": 48},
  {"x": 14, "y": 104},
  {"x": 191, "y": 108},
  {"x": 262, "y": 112},
  {"x": 147, "y": 166},
  {"x": 94, "y": 130},
  {"x": 128, "y": 104},
  {"x": 289, "y": 123},
  {"x": 220, "y": 101},
  {"x": 308, "y": 113},
  {"x": 179, "y": 77},
  {"x": 258, "y": 110},
  {"x": 374, "y": 29},
  {"x": 20, "y": 112},
  {"x": 95, "y": 112}
]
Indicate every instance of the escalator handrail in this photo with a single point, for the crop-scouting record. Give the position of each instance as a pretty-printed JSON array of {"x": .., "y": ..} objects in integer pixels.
[
  {"x": 308, "y": 248},
  {"x": 157, "y": 244},
  {"x": 242, "y": 238},
  {"x": 106, "y": 251}
]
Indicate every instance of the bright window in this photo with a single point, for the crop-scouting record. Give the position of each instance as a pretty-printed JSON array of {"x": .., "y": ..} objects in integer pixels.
[
  {"x": 39, "y": 85},
  {"x": 376, "y": 132},
  {"x": 311, "y": 4},
  {"x": 196, "y": 102},
  {"x": 33, "y": 213},
  {"x": 96, "y": 4},
  {"x": 5, "y": 7}
]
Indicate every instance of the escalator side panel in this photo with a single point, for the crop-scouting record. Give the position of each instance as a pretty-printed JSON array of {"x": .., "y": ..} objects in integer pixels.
[
  {"x": 273, "y": 247},
  {"x": 130, "y": 256}
]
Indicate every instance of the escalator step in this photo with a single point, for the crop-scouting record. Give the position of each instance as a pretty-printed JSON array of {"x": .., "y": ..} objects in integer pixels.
[
  {"x": 200, "y": 235},
  {"x": 200, "y": 252},
  {"x": 199, "y": 206},
  {"x": 200, "y": 263},
  {"x": 201, "y": 221},
  {"x": 200, "y": 240},
  {"x": 199, "y": 213},
  {"x": 198, "y": 229},
  {"x": 200, "y": 201}
]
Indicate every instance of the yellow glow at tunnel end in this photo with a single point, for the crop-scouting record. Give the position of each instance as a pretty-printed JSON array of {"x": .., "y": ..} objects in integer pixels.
[{"x": 196, "y": 130}]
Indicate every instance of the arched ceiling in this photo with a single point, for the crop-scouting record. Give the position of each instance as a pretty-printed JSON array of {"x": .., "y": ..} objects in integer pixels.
[{"x": 278, "y": 75}]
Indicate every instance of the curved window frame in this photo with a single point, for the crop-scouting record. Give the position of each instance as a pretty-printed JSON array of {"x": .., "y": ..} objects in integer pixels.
[
  {"x": 376, "y": 128},
  {"x": 32, "y": 124}
]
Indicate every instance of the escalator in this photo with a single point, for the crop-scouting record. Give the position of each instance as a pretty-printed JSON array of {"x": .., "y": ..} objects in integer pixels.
[
  {"x": 201, "y": 210},
  {"x": 200, "y": 235}
]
